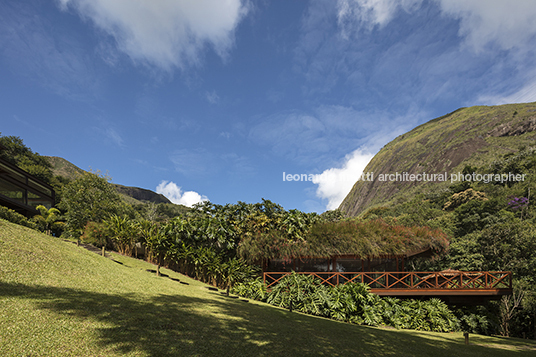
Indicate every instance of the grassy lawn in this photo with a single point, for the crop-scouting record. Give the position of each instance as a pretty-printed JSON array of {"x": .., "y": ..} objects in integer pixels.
[{"x": 57, "y": 299}]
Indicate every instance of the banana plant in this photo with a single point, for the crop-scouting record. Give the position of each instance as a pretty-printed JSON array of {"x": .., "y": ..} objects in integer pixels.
[
  {"x": 159, "y": 244},
  {"x": 123, "y": 232},
  {"x": 234, "y": 271}
]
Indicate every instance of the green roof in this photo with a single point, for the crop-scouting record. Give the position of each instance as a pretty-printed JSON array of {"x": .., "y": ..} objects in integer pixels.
[{"x": 365, "y": 239}]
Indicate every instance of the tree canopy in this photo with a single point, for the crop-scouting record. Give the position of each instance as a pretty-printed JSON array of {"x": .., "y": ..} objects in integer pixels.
[
  {"x": 90, "y": 197},
  {"x": 17, "y": 153}
]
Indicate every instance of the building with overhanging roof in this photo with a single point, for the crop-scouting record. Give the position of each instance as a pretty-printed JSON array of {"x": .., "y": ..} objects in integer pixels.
[{"x": 21, "y": 191}]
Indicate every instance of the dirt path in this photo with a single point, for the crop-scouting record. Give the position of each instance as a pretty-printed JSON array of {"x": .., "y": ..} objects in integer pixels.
[{"x": 91, "y": 248}]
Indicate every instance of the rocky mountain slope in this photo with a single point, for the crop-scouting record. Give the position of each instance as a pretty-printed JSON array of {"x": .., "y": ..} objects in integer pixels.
[{"x": 444, "y": 146}]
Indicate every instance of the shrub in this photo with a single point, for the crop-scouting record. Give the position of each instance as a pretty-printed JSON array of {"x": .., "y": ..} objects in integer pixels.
[
  {"x": 17, "y": 218},
  {"x": 300, "y": 292},
  {"x": 460, "y": 198},
  {"x": 96, "y": 234},
  {"x": 354, "y": 303},
  {"x": 253, "y": 289},
  {"x": 475, "y": 323}
]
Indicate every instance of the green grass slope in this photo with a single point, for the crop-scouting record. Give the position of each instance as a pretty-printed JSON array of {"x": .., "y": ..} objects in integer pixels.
[
  {"x": 473, "y": 136},
  {"x": 57, "y": 299}
]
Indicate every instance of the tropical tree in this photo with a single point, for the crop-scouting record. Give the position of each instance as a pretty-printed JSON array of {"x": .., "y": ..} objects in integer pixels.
[
  {"x": 157, "y": 242},
  {"x": 90, "y": 197},
  {"x": 47, "y": 219},
  {"x": 235, "y": 271},
  {"x": 123, "y": 232},
  {"x": 296, "y": 224}
]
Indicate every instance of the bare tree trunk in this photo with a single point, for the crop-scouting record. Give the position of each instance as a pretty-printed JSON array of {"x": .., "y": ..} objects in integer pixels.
[{"x": 509, "y": 304}]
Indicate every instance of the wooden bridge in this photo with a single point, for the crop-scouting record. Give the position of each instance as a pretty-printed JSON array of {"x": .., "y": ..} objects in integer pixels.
[{"x": 451, "y": 285}]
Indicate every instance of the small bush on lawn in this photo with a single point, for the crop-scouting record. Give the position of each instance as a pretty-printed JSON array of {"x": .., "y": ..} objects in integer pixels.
[
  {"x": 300, "y": 292},
  {"x": 96, "y": 234},
  {"x": 17, "y": 218},
  {"x": 253, "y": 289}
]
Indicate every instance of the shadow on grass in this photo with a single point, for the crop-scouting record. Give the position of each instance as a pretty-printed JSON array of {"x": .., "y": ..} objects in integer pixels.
[{"x": 176, "y": 325}]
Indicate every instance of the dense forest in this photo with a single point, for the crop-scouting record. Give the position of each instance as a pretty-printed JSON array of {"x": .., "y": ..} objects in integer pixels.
[
  {"x": 491, "y": 227},
  {"x": 469, "y": 226}
]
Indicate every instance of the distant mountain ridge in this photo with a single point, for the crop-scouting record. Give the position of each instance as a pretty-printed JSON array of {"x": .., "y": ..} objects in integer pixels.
[
  {"x": 64, "y": 168},
  {"x": 133, "y": 195},
  {"x": 142, "y": 194},
  {"x": 474, "y": 136}
]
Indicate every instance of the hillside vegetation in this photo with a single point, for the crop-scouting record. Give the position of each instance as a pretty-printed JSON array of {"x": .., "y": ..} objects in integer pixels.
[
  {"x": 64, "y": 168},
  {"x": 475, "y": 136},
  {"x": 131, "y": 195},
  {"x": 488, "y": 214},
  {"x": 60, "y": 299}
]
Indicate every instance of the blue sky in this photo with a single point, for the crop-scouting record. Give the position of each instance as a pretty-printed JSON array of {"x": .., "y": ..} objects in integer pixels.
[{"x": 214, "y": 99}]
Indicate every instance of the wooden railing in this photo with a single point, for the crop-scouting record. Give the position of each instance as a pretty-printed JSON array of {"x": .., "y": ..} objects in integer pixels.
[{"x": 496, "y": 281}]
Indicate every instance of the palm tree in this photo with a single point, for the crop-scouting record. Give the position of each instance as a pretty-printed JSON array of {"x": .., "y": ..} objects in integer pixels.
[{"x": 48, "y": 218}]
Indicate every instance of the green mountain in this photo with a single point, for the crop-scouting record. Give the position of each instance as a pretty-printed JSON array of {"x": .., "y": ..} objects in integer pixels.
[
  {"x": 132, "y": 195},
  {"x": 141, "y": 194},
  {"x": 445, "y": 146},
  {"x": 63, "y": 168}
]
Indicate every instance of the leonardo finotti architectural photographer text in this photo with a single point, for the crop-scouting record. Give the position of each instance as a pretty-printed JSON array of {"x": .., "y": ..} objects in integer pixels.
[
  {"x": 422, "y": 177},
  {"x": 298, "y": 177},
  {"x": 457, "y": 177}
]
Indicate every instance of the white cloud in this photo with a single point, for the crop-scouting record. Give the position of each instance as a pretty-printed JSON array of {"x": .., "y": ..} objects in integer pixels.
[
  {"x": 508, "y": 23},
  {"x": 371, "y": 13},
  {"x": 175, "y": 194},
  {"x": 329, "y": 131},
  {"x": 335, "y": 183},
  {"x": 482, "y": 47},
  {"x": 164, "y": 33}
]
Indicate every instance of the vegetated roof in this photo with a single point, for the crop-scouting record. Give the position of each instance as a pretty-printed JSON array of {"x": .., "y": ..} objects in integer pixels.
[{"x": 369, "y": 239}]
